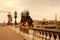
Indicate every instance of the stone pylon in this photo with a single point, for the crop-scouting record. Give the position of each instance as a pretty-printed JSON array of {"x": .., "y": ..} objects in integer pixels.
[{"x": 9, "y": 18}]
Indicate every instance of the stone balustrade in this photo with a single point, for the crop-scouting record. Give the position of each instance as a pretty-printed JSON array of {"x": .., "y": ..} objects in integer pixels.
[{"x": 46, "y": 34}]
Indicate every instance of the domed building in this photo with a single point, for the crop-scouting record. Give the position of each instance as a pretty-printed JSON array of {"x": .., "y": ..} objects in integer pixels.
[{"x": 44, "y": 21}]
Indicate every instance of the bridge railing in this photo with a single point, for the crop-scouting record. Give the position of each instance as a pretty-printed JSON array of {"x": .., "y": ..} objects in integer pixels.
[{"x": 46, "y": 34}]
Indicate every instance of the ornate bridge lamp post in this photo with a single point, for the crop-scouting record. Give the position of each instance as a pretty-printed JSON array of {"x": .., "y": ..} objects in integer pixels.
[{"x": 15, "y": 16}]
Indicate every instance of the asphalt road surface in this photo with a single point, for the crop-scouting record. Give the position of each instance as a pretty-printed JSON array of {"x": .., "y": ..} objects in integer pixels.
[{"x": 8, "y": 34}]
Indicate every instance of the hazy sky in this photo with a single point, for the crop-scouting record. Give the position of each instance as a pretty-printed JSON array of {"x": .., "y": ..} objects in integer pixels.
[{"x": 39, "y": 9}]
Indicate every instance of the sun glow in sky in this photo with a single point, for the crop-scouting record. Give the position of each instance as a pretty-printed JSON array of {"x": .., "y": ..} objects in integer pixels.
[{"x": 39, "y": 9}]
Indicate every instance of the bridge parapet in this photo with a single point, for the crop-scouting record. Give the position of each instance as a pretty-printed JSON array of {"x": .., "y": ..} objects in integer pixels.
[
  {"x": 42, "y": 33},
  {"x": 46, "y": 34}
]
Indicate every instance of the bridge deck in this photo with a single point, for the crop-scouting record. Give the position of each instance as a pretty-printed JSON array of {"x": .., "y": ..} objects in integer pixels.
[{"x": 8, "y": 34}]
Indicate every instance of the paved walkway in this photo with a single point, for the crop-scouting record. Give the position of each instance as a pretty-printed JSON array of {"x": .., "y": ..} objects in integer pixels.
[{"x": 8, "y": 34}]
